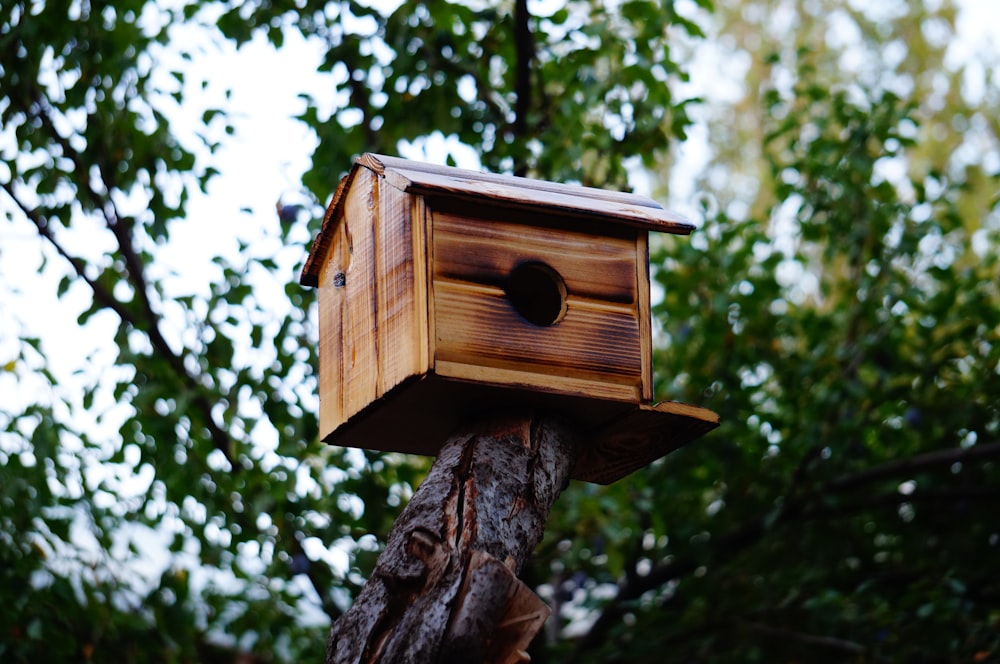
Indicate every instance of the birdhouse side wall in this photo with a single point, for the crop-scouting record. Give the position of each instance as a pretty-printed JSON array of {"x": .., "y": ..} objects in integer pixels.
[{"x": 372, "y": 299}]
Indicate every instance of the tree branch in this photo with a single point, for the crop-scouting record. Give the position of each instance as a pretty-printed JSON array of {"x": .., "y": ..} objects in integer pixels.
[
  {"x": 106, "y": 299},
  {"x": 729, "y": 544},
  {"x": 909, "y": 465},
  {"x": 828, "y": 642},
  {"x": 525, "y": 45},
  {"x": 445, "y": 588},
  {"x": 221, "y": 439},
  {"x": 360, "y": 100},
  {"x": 895, "y": 499},
  {"x": 102, "y": 295}
]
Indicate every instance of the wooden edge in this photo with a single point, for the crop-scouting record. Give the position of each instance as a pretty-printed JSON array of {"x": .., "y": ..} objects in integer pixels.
[
  {"x": 321, "y": 245},
  {"x": 383, "y": 164},
  {"x": 683, "y": 409},
  {"x": 622, "y": 207},
  {"x": 418, "y": 415},
  {"x": 423, "y": 262},
  {"x": 640, "y": 437},
  {"x": 564, "y": 201},
  {"x": 645, "y": 316},
  {"x": 377, "y": 162}
]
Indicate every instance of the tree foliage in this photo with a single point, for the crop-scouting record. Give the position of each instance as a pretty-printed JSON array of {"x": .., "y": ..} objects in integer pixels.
[{"x": 838, "y": 306}]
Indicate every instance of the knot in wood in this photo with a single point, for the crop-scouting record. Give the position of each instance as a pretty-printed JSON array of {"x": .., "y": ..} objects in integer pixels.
[
  {"x": 423, "y": 545},
  {"x": 420, "y": 565}
]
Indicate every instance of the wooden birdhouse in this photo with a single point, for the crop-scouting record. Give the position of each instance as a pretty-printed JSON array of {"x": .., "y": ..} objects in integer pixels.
[{"x": 444, "y": 292}]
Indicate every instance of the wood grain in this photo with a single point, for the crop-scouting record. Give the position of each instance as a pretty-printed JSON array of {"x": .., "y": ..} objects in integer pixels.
[
  {"x": 479, "y": 335},
  {"x": 644, "y": 316},
  {"x": 595, "y": 342},
  {"x": 640, "y": 437},
  {"x": 317, "y": 259},
  {"x": 484, "y": 251},
  {"x": 359, "y": 353},
  {"x": 385, "y": 165},
  {"x": 373, "y": 314},
  {"x": 401, "y": 315},
  {"x": 333, "y": 343},
  {"x": 418, "y": 415}
]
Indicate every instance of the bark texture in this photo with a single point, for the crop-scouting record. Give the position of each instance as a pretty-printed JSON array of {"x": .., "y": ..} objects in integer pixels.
[{"x": 446, "y": 589}]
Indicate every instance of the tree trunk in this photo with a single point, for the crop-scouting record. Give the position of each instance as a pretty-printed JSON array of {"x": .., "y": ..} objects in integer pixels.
[{"x": 445, "y": 588}]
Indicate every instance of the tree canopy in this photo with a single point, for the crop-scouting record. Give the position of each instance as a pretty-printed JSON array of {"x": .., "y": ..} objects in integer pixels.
[{"x": 839, "y": 306}]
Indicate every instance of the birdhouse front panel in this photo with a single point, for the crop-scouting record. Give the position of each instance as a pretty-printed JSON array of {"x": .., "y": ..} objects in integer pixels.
[{"x": 546, "y": 303}]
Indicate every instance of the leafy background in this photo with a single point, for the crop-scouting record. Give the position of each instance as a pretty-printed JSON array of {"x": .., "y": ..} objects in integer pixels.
[{"x": 168, "y": 499}]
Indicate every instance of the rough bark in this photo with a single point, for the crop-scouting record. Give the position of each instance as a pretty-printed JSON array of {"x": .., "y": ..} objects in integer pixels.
[{"x": 445, "y": 588}]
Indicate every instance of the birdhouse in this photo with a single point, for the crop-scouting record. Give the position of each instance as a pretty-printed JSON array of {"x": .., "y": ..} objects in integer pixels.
[{"x": 444, "y": 292}]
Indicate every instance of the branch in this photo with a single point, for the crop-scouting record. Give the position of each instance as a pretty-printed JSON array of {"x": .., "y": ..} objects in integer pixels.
[
  {"x": 525, "y": 44},
  {"x": 488, "y": 95},
  {"x": 318, "y": 573},
  {"x": 360, "y": 100},
  {"x": 633, "y": 588},
  {"x": 445, "y": 588},
  {"x": 106, "y": 299},
  {"x": 115, "y": 222},
  {"x": 221, "y": 439},
  {"x": 120, "y": 229},
  {"x": 749, "y": 533},
  {"x": 828, "y": 642},
  {"x": 909, "y": 465},
  {"x": 102, "y": 295},
  {"x": 895, "y": 499}
]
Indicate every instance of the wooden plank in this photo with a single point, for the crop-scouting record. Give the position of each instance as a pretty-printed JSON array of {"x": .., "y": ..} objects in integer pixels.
[
  {"x": 525, "y": 379},
  {"x": 522, "y": 193},
  {"x": 477, "y": 325},
  {"x": 423, "y": 247},
  {"x": 331, "y": 340},
  {"x": 644, "y": 314},
  {"x": 566, "y": 202},
  {"x": 401, "y": 305},
  {"x": 486, "y": 251},
  {"x": 419, "y": 415},
  {"x": 323, "y": 242},
  {"x": 359, "y": 353},
  {"x": 384, "y": 165},
  {"x": 640, "y": 437}
]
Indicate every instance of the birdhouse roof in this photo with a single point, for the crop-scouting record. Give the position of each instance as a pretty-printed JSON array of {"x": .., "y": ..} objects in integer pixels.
[{"x": 505, "y": 191}]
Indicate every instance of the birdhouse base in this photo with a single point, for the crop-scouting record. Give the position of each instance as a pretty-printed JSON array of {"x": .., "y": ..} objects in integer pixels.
[{"x": 419, "y": 415}]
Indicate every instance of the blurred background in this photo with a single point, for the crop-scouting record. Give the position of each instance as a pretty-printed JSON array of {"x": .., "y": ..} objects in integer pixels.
[{"x": 164, "y": 166}]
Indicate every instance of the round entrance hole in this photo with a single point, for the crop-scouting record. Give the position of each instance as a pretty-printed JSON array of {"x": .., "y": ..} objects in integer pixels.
[{"x": 537, "y": 292}]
